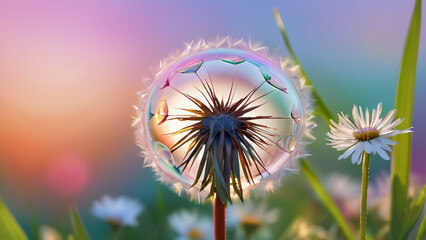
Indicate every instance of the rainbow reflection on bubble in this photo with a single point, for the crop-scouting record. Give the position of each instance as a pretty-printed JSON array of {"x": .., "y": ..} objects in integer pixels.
[{"x": 220, "y": 90}]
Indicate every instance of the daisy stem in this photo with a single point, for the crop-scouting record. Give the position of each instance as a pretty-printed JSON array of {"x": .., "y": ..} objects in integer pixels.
[
  {"x": 115, "y": 231},
  {"x": 364, "y": 187},
  {"x": 219, "y": 219}
]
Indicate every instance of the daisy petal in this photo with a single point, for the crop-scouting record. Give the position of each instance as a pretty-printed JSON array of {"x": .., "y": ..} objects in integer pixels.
[
  {"x": 359, "y": 159},
  {"x": 368, "y": 147},
  {"x": 386, "y": 147},
  {"x": 348, "y": 152},
  {"x": 386, "y": 141},
  {"x": 383, "y": 154},
  {"x": 357, "y": 153}
]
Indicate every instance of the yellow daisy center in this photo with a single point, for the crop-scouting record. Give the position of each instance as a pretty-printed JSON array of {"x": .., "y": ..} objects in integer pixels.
[
  {"x": 195, "y": 234},
  {"x": 366, "y": 134},
  {"x": 250, "y": 224}
]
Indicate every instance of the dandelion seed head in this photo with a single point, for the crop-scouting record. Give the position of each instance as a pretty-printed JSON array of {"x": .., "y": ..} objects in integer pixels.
[{"x": 223, "y": 116}]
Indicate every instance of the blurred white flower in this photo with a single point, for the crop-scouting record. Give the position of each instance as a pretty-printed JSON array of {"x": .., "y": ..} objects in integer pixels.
[
  {"x": 301, "y": 229},
  {"x": 346, "y": 192},
  {"x": 49, "y": 233},
  {"x": 122, "y": 211},
  {"x": 360, "y": 133},
  {"x": 381, "y": 197},
  {"x": 251, "y": 219},
  {"x": 191, "y": 226}
]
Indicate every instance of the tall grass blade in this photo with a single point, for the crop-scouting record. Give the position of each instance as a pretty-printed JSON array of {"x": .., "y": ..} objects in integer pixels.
[
  {"x": 422, "y": 229},
  {"x": 9, "y": 228},
  {"x": 322, "y": 109},
  {"x": 413, "y": 213},
  {"x": 79, "y": 230},
  {"x": 401, "y": 155},
  {"x": 326, "y": 199},
  {"x": 326, "y": 115}
]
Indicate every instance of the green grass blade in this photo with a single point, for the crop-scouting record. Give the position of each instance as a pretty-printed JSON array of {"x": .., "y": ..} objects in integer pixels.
[
  {"x": 401, "y": 155},
  {"x": 413, "y": 213},
  {"x": 422, "y": 229},
  {"x": 325, "y": 113},
  {"x": 322, "y": 109},
  {"x": 9, "y": 228},
  {"x": 80, "y": 232},
  {"x": 326, "y": 199},
  {"x": 34, "y": 225}
]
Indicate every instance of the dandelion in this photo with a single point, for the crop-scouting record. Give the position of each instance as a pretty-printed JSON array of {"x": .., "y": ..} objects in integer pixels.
[
  {"x": 360, "y": 133},
  {"x": 222, "y": 118},
  {"x": 252, "y": 220},
  {"x": 362, "y": 136},
  {"x": 118, "y": 212},
  {"x": 191, "y": 226}
]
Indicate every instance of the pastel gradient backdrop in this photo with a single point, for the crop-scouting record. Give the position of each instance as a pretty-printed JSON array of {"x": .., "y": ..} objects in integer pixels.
[{"x": 69, "y": 73}]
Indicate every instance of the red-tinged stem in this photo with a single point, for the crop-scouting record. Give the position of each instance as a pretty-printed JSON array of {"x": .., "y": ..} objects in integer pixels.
[{"x": 219, "y": 219}]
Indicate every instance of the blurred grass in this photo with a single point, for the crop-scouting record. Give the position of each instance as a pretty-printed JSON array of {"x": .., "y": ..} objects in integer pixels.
[
  {"x": 422, "y": 229},
  {"x": 401, "y": 155},
  {"x": 326, "y": 199},
  {"x": 326, "y": 115},
  {"x": 79, "y": 231},
  {"x": 413, "y": 213},
  {"x": 9, "y": 228},
  {"x": 322, "y": 109}
]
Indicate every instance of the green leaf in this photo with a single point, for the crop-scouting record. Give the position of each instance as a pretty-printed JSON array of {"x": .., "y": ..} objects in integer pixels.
[
  {"x": 9, "y": 228},
  {"x": 413, "y": 213},
  {"x": 80, "y": 232},
  {"x": 326, "y": 199},
  {"x": 401, "y": 154},
  {"x": 322, "y": 109}
]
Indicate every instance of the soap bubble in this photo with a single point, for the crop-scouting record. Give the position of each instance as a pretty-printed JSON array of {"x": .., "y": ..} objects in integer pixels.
[{"x": 225, "y": 103}]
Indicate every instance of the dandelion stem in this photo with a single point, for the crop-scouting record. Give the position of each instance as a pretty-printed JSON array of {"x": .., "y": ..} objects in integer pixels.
[
  {"x": 219, "y": 219},
  {"x": 364, "y": 187}
]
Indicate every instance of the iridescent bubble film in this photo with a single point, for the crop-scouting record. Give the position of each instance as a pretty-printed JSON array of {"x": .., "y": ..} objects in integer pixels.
[{"x": 231, "y": 74}]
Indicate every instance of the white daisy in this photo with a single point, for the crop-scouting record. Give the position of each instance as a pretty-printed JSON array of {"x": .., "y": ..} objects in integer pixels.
[
  {"x": 362, "y": 133},
  {"x": 122, "y": 211},
  {"x": 191, "y": 226},
  {"x": 251, "y": 219}
]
